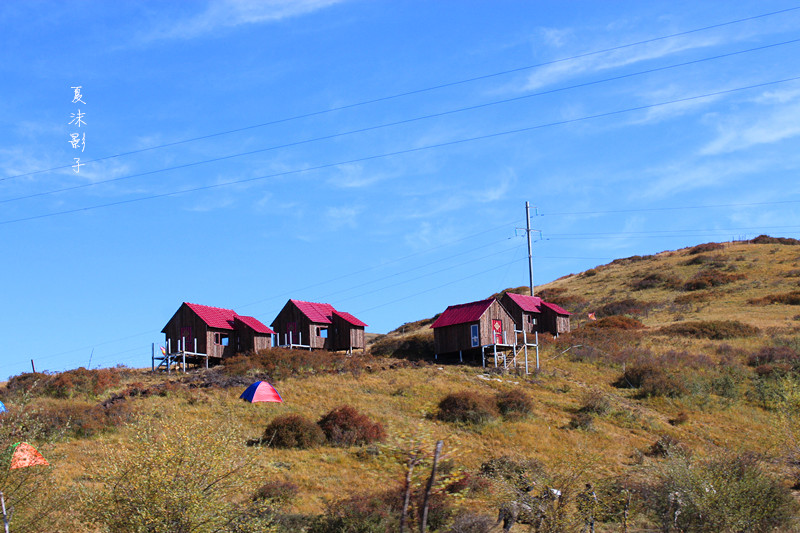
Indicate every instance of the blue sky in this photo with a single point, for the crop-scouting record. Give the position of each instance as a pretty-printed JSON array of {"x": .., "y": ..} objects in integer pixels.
[{"x": 375, "y": 155}]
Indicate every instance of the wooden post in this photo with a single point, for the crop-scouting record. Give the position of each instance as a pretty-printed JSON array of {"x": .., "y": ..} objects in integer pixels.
[
  {"x": 183, "y": 357},
  {"x": 460, "y": 357},
  {"x": 425, "y": 501},
  {"x": 33, "y": 367},
  {"x": 153, "y": 350},
  {"x": 495, "y": 355},
  {"x": 537, "y": 351}
]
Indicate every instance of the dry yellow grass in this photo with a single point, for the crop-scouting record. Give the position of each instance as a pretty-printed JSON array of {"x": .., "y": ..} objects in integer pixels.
[{"x": 405, "y": 400}]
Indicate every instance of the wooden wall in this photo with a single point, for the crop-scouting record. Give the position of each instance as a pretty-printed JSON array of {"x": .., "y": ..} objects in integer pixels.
[
  {"x": 458, "y": 337},
  {"x": 184, "y": 317},
  {"x": 345, "y": 335}
]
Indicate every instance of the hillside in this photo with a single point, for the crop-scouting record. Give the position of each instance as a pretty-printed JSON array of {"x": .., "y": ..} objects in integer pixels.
[{"x": 686, "y": 384}]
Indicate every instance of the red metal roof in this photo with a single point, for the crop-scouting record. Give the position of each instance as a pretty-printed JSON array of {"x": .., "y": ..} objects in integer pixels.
[
  {"x": 557, "y": 309},
  {"x": 349, "y": 318},
  {"x": 254, "y": 324},
  {"x": 528, "y": 303},
  {"x": 462, "y": 313},
  {"x": 317, "y": 313},
  {"x": 215, "y": 317},
  {"x": 221, "y": 318}
]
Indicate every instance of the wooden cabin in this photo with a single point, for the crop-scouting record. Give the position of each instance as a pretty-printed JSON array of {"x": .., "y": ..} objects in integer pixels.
[
  {"x": 471, "y": 326},
  {"x": 532, "y": 314},
  {"x": 318, "y": 326},
  {"x": 214, "y": 332}
]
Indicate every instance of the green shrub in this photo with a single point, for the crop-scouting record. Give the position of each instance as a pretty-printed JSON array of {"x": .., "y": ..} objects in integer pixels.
[
  {"x": 652, "y": 379},
  {"x": 292, "y": 431},
  {"x": 174, "y": 476},
  {"x": 345, "y": 426},
  {"x": 466, "y": 407},
  {"x": 723, "y": 494},
  {"x": 711, "y": 329},
  {"x": 514, "y": 404},
  {"x": 628, "y": 306},
  {"x": 517, "y": 473}
]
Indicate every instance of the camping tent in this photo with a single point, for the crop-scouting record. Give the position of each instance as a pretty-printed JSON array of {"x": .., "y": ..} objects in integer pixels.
[
  {"x": 23, "y": 455},
  {"x": 261, "y": 391},
  {"x": 2, "y": 408}
]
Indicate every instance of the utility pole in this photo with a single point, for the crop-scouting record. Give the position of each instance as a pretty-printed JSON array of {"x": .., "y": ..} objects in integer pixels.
[{"x": 530, "y": 254}]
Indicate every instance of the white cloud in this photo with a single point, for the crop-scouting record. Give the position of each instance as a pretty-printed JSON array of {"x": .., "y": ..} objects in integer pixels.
[
  {"x": 742, "y": 131},
  {"x": 557, "y": 72},
  {"x": 232, "y": 13},
  {"x": 339, "y": 217}
]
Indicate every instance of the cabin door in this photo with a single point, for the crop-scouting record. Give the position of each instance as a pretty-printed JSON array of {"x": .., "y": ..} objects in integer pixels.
[
  {"x": 291, "y": 332},
  {"x": 497, "y": 330},
  {"x": 187, "y": 341}
]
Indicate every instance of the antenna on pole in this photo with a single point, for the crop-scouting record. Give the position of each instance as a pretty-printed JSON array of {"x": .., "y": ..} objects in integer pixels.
[
  {"x": 530, "y": 254},
  {"x": 528, "y": 231}
]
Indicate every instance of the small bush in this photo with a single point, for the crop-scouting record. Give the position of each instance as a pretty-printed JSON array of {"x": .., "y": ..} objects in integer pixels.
[
  {"x": 468, "y": 522},
  {"x": 583, "y": 421},
  {"x": 467, "y": 408},
  {"x": 514, "y": 404},
  {"x": 652, "y": 379},
  {"x": 279, "y": 492},
  {"x": 773, "y": 354},
  {"x": 706, "y": 279},
  {"x": 666, "y": 446},
  {"x": 518, "y": 473},
  {"x": 726, "y": 494},
  {"x": 655, "y": 280},
  {"x": 706, "y": 247},
  {"x": 616, "y": 322},
  {"x": 766, "y": 239},
  {"x": 345, "y": 426},
  {"x": 292, "y": 431},
  {"x": 680, "y": 418},
  {"x": 628, "y": 306},
  {"x": 787, "y": 298},
  {"x": 632, "y": 259},
  {"x": 711, "y": 329},
  {"x": 595, "y": 402}
]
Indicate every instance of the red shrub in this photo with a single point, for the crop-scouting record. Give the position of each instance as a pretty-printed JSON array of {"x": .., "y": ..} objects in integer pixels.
[{"x": 345, "y": 426}]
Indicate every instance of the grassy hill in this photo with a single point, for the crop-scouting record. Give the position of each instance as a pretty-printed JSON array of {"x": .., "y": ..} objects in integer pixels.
[{"x": 687, "y": 384}]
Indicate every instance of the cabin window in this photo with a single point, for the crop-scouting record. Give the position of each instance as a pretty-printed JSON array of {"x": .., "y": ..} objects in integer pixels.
[
  {"x": 322, "y": 332},
  {"x": 474, "y": 334},
  {"x": 221, "y": 339}
]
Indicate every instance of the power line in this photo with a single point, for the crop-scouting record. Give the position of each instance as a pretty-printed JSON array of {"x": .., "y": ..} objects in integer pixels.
[
  {"x": 398, "y": 122},
  {"x": 677, "y": 208},
  {"x": 405, "y": 151},
  {"x": 417, "y": 91}
]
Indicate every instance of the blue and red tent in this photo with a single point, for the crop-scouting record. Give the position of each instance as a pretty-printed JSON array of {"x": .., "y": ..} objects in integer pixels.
[
  {"x": 2, "y": 408},
  {"x": 261, "y": 391}
]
